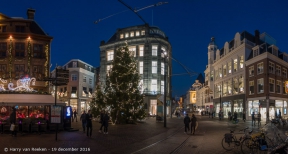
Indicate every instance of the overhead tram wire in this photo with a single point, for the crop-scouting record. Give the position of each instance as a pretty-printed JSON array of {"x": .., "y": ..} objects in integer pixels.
[{"x": 134, "y": 10}]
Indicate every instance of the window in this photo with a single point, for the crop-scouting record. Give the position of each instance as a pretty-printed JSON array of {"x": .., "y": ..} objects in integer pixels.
[
  {"x": 162, "y": 69},
  {"x": 260, "y": 68},
  {"x": 251, "y": 71},
  {"x": 109, "y": 67},
  {"x": 90, "y": 81},
  {"x": 154, "y": 66},
  {"x": 143, "y": 32},
  {"x": 278, "y": 70},
  {"x": 283, "y": 88},
  {"x": 137, "y": 33},
  {"x": 251, "y": 87},
  {"x": 121, "y": 36},
  {"x": 271, "y": 67},
  {"x": 19, "y": 49},
  {"x": 131, "y": 34},
  {"x": 20, "y": 29},
  {"x": 225, "y": 91},
  {"x": 74, "y": 77},
  {"x": 126, "y": 35},
  {"x": 241, "y": 84},
  {"x": 3, "y": 49},
  {"x": 235, "y": 65},
  {"x": 2, "y": 68},
  {"x": 110, "y": 55},
  {"x": 229, "y": 68},
  {"x": 132, "y": 49},
  {"x": 255, "y": 52},
  {"x": 21, "y": 68},
  {"x": 235, "y": 85},
  {"x": 153, "y": 86},
  {"x": 260, "y": 83},
  {"x": 154, "y": 50},
  {"x": 229, "y": 87},
  {"x": 224, "y": 70},
  {"x": 284, "y": 72},
  {"x": 141, "y": 51},
  {"x": 278, "y": 86},
  {"x": 74, "y": 64},
  {"x": 38, "y": 51},
  {"x": 220, "y": 72},
  {"x": 162, "y": 87},
  {"x": 141, "y": 67},
  {"x": 212, "y": 76},
  {"x": 84, "y": 78},
  {"x": 3, "y": 28},
  {"x": 216, "y": 74},
  {"x": 37, "y": 69},
  {"x": 271, "y": 85},
  {"x": 163, "y": 51},
  {"x": 74, "y": 92},
  {"x": 241, "y": 62}
]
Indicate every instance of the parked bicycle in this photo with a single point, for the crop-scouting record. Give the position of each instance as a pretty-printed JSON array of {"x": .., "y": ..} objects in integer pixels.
[{"x": 230, "y": 141}]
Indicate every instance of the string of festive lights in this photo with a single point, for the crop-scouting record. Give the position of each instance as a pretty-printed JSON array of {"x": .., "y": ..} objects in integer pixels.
[
  {"x": 28, "y": 56},
  {"x": 10, "y": 59}
]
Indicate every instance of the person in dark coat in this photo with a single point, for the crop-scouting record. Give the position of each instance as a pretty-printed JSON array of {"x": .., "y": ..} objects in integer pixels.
[
  {"x": 74, "y": 115},
  {"x": 101, "y": 120},
  {"x": 259, "y": 118},
  {"x": 83, "y": 119},
  {"x": 106, "y": 119},
  {"x": 235, "y": 116},
  {"x": 244, "y": 116},
  {"x": 186, "y": 122},
  {"x": 13, "y": 120},
  {"x": 253, "y": 119},
  {"x": 193, "y": 123},
  {"x": 89, "y": 123}
]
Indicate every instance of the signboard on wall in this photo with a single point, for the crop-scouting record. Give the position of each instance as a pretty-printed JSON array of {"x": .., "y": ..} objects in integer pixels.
[
  {"x": 56, "y": 114},
  {"x": 286, "y": 87}
]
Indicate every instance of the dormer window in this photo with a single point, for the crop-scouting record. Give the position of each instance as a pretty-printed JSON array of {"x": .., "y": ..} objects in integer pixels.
[
  {"x": 285, "y": 58},
  {"x": 274, "y": 51},
  {"x": 74, "y": 64},
  {"x": 131, "y": 34},
  {"x": 121, "y": 36},
  {"x": 143, "y": 32},
  {"x": 255, "y": 52},
  {"x": 137, "y": 33}
]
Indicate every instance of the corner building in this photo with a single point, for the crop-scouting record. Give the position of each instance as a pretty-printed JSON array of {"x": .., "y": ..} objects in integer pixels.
[{"x": 148, "y": 44}]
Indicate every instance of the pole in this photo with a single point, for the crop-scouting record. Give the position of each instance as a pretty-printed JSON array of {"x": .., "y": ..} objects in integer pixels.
[
  {"x": 56, "y": 99},
  {"x": 165, "y": 85}
]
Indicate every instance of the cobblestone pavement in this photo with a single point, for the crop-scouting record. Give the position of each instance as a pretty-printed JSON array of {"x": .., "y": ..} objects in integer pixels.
[{"x": 148, "y": 137}]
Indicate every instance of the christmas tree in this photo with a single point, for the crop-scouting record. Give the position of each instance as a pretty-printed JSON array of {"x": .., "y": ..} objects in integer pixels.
[
  {"x": 98, "y": 102},
  {"x": 122, "y": 93}
]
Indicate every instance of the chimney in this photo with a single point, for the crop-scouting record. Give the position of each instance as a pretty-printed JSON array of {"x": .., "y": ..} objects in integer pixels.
[
  {"x": 257, "y": 37},
  {"x": 30, "y": 14}
]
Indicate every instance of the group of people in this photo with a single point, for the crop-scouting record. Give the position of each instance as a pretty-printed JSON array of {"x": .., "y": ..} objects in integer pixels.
[
  {"x": 86, "y": 119},
  {"x": 193, "y": 121},
  {"x": 254, "y": 118}
]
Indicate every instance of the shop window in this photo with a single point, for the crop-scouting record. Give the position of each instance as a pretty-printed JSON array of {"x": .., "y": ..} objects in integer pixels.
[
  {"x": 251, "y": 71},
  {"x": 253, "y": 106},
  {"x": 22, "y": 112},
  {"x": 271, "y": 85},
  {"x": 36, "y": 112},
  {"x": 251, "y": 87}
]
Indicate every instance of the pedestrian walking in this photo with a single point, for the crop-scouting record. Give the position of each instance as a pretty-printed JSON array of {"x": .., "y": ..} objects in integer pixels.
[
  {"x": 186, "y": 123},
  {"x": 259, "y": 118},
  {"x": 193, "y": 123},
  {"x": 89, "y": 123},
  {"x": 83, "y": 119},
  {"x": 74, "y": 115},
  {"x": 209, "y": 114},
  {"x": 229, "y": 116},
  {"x": 106, "y": 119},
  {"x": 244, "y": 116},
  {"x": 253, "y": 119},
  {"x": 235, "y": 116},
  {"x": 13, "y": 122},
  {"x": 101, "y": 120}
]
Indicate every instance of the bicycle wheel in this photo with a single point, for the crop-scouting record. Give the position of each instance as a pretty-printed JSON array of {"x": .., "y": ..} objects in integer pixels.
[
  {"x": 249, "y": 147},
  {"x": 228, "y": 145}
]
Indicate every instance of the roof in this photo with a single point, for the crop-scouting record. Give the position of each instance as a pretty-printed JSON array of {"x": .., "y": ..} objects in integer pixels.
[{"x": 28, "y": 99}]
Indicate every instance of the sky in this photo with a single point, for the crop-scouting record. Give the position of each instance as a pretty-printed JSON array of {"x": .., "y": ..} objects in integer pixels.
[{"x": 189, "y": 24}]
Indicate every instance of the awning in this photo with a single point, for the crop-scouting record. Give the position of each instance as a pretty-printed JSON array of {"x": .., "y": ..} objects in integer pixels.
[{"x": 28, "y": 99}]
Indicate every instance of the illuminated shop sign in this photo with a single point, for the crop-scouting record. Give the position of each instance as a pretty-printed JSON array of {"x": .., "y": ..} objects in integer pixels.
[{"x": 22, "y": 84}]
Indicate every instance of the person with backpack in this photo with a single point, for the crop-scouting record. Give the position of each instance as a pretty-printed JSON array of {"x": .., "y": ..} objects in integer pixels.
[
  {"x": 193, "y": 123},
  {"x": 186, "y": 123}
]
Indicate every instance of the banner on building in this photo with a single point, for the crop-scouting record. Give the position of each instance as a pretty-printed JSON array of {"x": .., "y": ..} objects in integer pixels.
[{"x": 286, "y": 87}]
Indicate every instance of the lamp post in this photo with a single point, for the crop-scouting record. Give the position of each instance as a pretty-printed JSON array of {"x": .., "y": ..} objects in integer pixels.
[{"x": 165, "y": 105}]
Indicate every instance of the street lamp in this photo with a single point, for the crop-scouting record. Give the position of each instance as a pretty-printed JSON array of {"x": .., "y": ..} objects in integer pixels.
[{"x": 165, "y": 105}]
